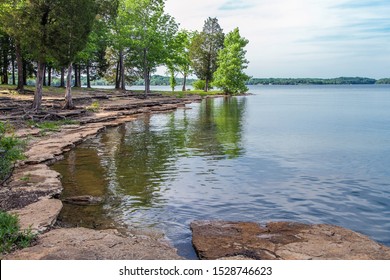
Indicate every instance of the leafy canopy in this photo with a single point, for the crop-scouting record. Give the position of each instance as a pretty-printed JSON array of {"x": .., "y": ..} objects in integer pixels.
[{"x": 230, "y": 76}]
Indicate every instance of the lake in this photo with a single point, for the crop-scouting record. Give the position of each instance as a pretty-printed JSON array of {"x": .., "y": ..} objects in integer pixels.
[{"x": 312, "y": 154}]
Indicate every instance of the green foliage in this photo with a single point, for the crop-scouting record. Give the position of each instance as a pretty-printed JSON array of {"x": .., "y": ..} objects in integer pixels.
[
  {"x": 204, "y": 50},
  {"x": 11, "y": 237},
  {"x": 385, "y": 81},
  {"x": 94, "y": 107},
  {"x": 11, "y": 150},
  {"x": 230, "y": 76},
  {"x": 172, "y": 81},
  {"x": 50, "y": 126},
  {"x": 199, "y": 84},
  {"x": 312, "y": 81}
]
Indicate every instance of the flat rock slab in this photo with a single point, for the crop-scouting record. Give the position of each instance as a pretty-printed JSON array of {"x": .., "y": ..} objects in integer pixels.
[
  {"x": 282, "y": 241},
  {"x": 88, "y": 244},
  {"x": 39, "y": 216}
]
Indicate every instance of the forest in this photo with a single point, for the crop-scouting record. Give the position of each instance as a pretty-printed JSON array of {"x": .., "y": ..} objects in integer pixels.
[{"x": 69, "y": 43}]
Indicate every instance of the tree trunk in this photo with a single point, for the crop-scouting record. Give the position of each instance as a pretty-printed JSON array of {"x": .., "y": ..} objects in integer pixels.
[
  {"x": 44, "y": 76},
  {"x": 146, "y": 73},
  {"x": 4, "y": 79},
  {"x": 207, "y": 85},
  {"x": 24, "y": 72},
  {"x": 184, "y": 82},
  {"x": 19, "y": 62},
  {"x": 117, "y": 79},
  {"x": 68, "y": 92},
  {"x": 148, "y": 79},
  {"x": 13, "y": 72},
  {"x": 49, "y": 76},
  {"x": 88, "y": 76},
  {"x": 79, "y": 76},
  {"x": 62, "y": 83},
  {"x": 122, "y": 73},
  {"x": 39, "y": 84},
  {"x": 76, "y": 80}
]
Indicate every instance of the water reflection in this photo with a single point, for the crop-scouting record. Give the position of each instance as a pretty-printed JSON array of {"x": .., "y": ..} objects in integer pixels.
[
  {"x": 135, "y": 166},
  {"x": 287, "y": 154}
]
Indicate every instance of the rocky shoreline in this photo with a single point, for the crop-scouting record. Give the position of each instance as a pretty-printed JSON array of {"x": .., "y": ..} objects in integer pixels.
[{"x": 34, "y": 189}]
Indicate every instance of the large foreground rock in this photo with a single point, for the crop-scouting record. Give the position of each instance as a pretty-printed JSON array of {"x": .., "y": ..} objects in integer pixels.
[
  {"x": 87, "y": 244},
  {"x": 40, "y": 216},
  {"x": 282, "y": 241}
]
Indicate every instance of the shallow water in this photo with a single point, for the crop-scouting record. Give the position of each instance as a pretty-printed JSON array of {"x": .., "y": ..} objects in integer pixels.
[{"x": 315, "y": 154}]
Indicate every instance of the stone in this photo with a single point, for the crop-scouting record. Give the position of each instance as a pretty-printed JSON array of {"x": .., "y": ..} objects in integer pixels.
[
  {"x": 83, "y": 200},
  {"x": 282, "y": 241},
  {"x": 88, "y": 244},
  {"x": 39, "y": 216}
]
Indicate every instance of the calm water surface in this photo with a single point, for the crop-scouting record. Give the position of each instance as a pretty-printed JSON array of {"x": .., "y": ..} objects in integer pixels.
[{"x": 314, "y": 154}]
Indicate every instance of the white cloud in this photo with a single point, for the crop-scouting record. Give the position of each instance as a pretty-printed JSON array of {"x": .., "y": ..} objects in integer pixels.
[{"x": 310, "y": 38}]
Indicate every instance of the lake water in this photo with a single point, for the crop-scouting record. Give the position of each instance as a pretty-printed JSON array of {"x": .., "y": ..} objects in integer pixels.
[{"x": 313, "y": 154}]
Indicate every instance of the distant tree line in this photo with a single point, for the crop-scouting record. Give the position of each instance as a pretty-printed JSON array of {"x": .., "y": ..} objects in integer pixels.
[
  {"x": 159, "y": 80},
  {"x": 316, "y": 81}
]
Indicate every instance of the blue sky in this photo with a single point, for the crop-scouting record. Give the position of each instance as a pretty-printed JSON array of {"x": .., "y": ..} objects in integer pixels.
[{"x": 301, "y": 38}]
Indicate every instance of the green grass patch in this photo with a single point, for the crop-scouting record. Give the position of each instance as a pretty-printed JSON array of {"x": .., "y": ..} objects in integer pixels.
[
  {"x": 11, "y": 150},
  {"x": 11, "y": 236},
  {"x": 50, "y": 126},
  {"x": 94, "y": 107}
]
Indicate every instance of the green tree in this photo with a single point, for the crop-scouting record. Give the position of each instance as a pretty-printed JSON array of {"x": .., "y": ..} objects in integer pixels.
[
  {"x": 152, "y": 36},
  {"x": 69, "y": 34},
  {"x": 204, "y": 50},
  {"x": 13, "y": 22},
  {"x": 230, "y": 75},
  {"x": 179, "y": 60}
]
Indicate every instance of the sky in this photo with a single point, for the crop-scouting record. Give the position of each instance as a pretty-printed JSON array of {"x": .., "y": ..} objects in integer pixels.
[{"x": 301, "y": 38}]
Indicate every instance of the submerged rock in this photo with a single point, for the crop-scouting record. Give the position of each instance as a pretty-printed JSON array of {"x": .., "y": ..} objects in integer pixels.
[
  {"x": 282, "y": 241},
  {"x": 83, "y": 200}
]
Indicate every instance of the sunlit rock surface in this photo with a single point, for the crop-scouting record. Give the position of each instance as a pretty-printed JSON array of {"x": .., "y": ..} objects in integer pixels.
[{"x": 282, "y": 241}]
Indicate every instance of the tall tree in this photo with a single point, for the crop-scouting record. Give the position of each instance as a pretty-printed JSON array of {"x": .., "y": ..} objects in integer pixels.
[
  {"x": 149, "y": 34},
  {"x": 204, "y": 50},
  {"x": 74, "y": 21},
  {"x": 179, "y": 59},
  {"x": 13, "y": 22},
  {"x": 230, "y": 74}
]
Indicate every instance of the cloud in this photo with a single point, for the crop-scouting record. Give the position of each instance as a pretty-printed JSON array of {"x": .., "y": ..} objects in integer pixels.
[
  {"x": 311, "y": 38},
  {"x": 236, "y": 5}
]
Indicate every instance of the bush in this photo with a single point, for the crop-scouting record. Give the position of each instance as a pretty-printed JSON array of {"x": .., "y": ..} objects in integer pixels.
[
  {"x": 10, "y": 235},
  {"x": 11, "y": 150},
  {"x": 199, "y": 85}
]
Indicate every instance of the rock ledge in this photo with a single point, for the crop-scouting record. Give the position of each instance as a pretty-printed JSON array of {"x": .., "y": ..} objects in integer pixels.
[{"x": 282, "y": 241}]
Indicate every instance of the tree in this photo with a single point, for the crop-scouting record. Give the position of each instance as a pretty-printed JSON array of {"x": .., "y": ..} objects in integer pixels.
[
  {"x": 204, "y": 50},
  {"x": 230, "y": 74},
  {"x": 179, "y": 59},
  {"x": 76, "y": 18},
  {"x": 152, "y": 34},
  {"x": 12, "y": 21}
]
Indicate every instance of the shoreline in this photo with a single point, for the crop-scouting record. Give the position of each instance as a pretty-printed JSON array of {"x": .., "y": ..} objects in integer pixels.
[{"x": 34, "y": 189}]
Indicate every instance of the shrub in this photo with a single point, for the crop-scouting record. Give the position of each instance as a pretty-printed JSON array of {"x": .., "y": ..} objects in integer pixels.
[
  {"x": 199, "y": 85},
  {"x": 11, "y": 150},
  {"x": 11, "y": 237}
]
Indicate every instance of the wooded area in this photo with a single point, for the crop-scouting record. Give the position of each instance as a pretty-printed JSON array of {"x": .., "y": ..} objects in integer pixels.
[{"x": 120, "y": 41}]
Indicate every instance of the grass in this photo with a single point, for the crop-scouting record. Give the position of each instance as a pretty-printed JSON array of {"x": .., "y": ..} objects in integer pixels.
[
  {"x": 11, "y": 150},
  {"x": 50, "y": 126},
  {"x": 11, "y": 237},
  {"x": 94, "y": 107}
]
